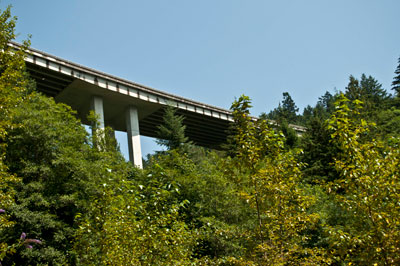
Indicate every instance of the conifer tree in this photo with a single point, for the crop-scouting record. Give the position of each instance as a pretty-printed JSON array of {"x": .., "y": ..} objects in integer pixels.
[
  {"x": 283, "y": 115},
  {"x": 286, "y": 111},
  {"x": 289, "y": 108},
  {"x": 172, "y": 133},
  {"x": 396, "y": 80},
  {"x": 368, "y": 90}
]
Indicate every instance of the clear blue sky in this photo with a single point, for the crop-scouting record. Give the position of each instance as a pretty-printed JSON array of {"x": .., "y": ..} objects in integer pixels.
[{"x": 213, "y": 51}]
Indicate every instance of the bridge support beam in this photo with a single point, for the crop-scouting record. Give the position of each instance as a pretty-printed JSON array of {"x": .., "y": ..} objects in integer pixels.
[{"x": 132, "y": 128}]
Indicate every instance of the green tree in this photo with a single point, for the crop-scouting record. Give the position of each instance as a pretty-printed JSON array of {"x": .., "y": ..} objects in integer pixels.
[
  {"x": 318, "y": 153},
  {"x": 387, "y": 118},
  {"x": 396, "y": 80},
  {"x": 70, "y": 181},
  {"x": 326, "y": 101},
  {"x": 370, "y": 92},
  {"x": 318, "y": 150},
  {"x": 270, "y": 176},
  {"x": 172, "y": 132},
  {"x": 289, "y": 108},
  {"x": 213, "y": 210},
  {"x": 45, "y": 146},
  {"x": 322, "y": 110},
  {"x": 388, "y": 123},
  {"x": 367, "y": 191},
  {"x": 49, "y": 153},
  {"x": 134, "y": 220},
  {"x": 14, "y": 85},
  {"x": 286, "y": 111},
  {"x": 307, "y": 114},
  {"x": 284, "y": 115}
]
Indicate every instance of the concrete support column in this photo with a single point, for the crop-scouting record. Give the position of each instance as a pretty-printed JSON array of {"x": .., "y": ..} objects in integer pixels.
[
  {"x": 96, "y": 105},
  {"x": 132, "y": 128}
]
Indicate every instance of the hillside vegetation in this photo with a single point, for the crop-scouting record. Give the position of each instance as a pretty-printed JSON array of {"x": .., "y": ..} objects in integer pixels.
[{"x": 269, "y": 197}]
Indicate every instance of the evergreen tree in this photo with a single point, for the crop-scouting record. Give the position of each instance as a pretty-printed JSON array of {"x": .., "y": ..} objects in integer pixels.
[
  {"x": 172, "y": 133},
  {"x": 318, "y": 151},
  {"x": 286, "y": 111},
  {"x": 283, "y": 115},
  {"x": 396, "y": 80},
  {"x": 388, "y": 122},
  {"x": 353, "y": 90},
  {"x": 307, "y": 114},
  {"x": 322, "y": 109},
  {"x": 373, "y": 89},
  {"x": 370, "y": 93},
  {"x": 289, "y": 108},
  {"x": 327, "y": 102}
]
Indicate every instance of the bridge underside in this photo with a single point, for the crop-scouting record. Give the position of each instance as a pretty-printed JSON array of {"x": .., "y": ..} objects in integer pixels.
[
  {"x": 125, "y": 105},
  {"x": 203, "y": 130}
]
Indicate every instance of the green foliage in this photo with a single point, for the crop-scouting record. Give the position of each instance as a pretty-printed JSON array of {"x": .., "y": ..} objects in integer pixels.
[
  {"x": 286, "y": 111},
  {"x": 284, "y": 115},
  {"x": 120, "y": 221},
  {"x": 132, "y": 219},
  {"x": 14, "y": 85},
  {"x": 370, "y": 92},
  {"x": 318, "y": 153},
  {"x": 291, "y": 138},
  {"x": 262, "y": 202},
  {"x": 396, "y": 80},
  {"x": 172, "y": 132},
  {"x": 270, "y": 176},
  {"x": 48, "y": 152},
  {"x": 213, "y": 209},
  {"x": 388, "y": 123},
  {"x": 318, "y": 150},
  {"x": 369, "y": 191}
]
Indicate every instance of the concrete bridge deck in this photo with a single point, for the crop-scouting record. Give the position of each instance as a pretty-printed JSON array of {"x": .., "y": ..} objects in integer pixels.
[{"x": 122, "y": 104}]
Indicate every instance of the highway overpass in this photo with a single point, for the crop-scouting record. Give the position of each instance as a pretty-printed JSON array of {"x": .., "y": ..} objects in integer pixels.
[{"x": 124, "y": 105}]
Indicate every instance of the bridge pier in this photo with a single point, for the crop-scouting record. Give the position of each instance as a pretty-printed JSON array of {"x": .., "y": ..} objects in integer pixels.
[
  {"x": 96, "y": 105},
  {"x": 132, "y": 128}
]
